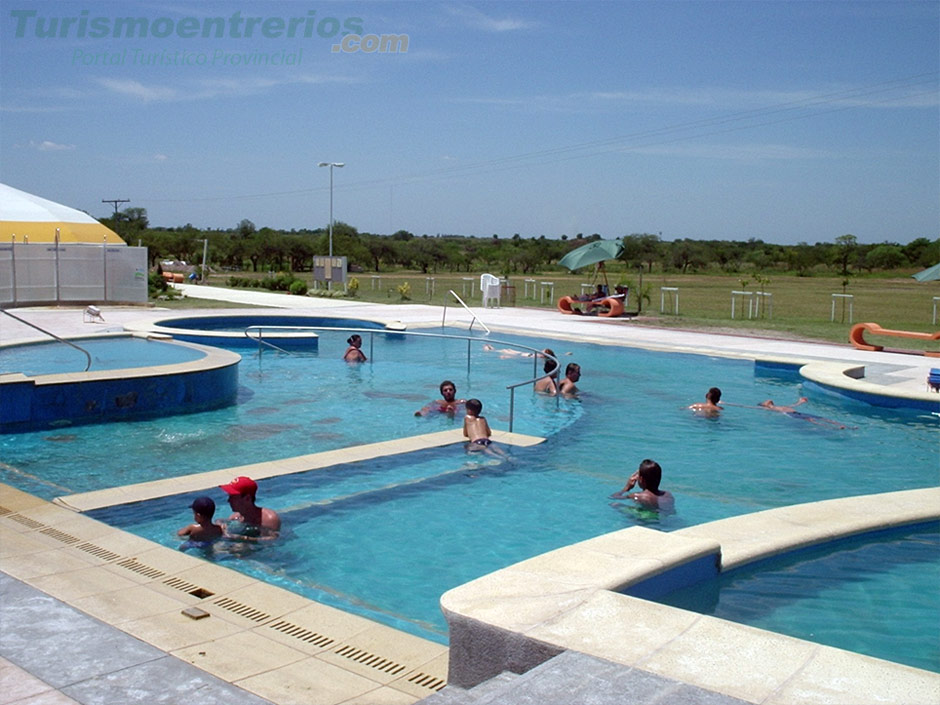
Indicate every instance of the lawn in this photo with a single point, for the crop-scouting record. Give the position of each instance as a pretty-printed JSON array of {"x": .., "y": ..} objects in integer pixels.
[{"x": 802, "y": 307}]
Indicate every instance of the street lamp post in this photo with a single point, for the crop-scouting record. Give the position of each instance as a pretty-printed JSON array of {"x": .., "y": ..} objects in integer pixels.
[{"x": 339, "y": 165}]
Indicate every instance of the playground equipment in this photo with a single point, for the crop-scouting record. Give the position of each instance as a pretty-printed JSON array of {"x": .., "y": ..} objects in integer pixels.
[{"x": 857, "y": 336}]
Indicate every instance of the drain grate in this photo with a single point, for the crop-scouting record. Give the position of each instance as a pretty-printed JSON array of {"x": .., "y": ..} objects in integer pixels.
[
  {"x": 4, "y": 511},
  {"x": 242, "y": 610},
  {"x": 301, "y": 633},
  {"x": 425, "y": 681},
  {"x": 60, "y": 535},
  {"x": 98, "y": 552},
  {"x": 183, "y": 585},
  {"x": 371, "y": 660},
  {"x": 26, "y": 521},
  {"x": 136, "y": 566}
]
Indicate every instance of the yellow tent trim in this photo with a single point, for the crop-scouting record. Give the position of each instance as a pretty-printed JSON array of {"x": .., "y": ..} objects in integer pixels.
[{"x": 37, "y": 232}]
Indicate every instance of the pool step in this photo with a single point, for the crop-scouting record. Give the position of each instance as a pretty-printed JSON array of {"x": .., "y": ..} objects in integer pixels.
[
  {"x": 572, "y": 677},
  {"x": 392, "y": 487}
]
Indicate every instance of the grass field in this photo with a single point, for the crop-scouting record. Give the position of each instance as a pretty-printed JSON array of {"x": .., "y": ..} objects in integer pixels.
[{"x": 802, "y": 306}]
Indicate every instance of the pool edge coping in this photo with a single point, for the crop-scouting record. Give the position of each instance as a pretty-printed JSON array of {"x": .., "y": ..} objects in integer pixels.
[
  {"x": 517, "y": 617},
  {"x": 165, "y": 487}
]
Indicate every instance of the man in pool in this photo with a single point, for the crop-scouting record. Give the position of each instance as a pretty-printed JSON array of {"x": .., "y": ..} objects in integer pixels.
[
  {"x": 648, "y": 477},
  {"x": 447, "y": 405},
  {"x": 794, "y": 414},
  {"x": 248, "y": 520},
  {"x": 568, "y": 385},
  {"x": 710, "y": 406}
]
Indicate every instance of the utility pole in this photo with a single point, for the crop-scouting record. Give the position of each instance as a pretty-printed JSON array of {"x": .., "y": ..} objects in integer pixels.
[{"x": 115, "y": 201}]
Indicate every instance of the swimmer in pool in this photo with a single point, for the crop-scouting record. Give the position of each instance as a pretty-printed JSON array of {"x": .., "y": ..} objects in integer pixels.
[
  {"x": 353, "y": 352},
  {"x": 794, "y": 414},
  {"x": 477, "y": 430},
  {"x": 710, "y": 406},
  {"x": 249, "y": 521},
  {"x": 549, "y": 383},
  {"x": 447, "y": 405},
  {"x": 648, "y": 477},
  {"x": 203, "y": 531}
]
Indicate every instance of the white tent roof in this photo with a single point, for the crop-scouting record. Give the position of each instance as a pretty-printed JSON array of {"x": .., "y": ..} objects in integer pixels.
[{"x": 25, "y": 215}]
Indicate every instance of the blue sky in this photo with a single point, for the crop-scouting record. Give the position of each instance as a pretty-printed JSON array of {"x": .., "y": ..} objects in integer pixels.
[{"x": 785, "y": 121}]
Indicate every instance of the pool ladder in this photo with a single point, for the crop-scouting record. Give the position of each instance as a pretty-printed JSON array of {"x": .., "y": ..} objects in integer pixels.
[
  {"x": 371, "y": 332},
  {"x": 53, "y": 335}
]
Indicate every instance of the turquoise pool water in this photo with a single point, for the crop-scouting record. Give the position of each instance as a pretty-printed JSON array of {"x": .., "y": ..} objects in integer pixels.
[
  {"x": 848, "y": 594},
  {"x": 391, "y": 549},
  {"x": 106, "y": 354}
]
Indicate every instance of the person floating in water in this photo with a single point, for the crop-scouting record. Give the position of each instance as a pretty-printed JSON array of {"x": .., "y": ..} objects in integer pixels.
[
  {"x": 477, "y": 430},
  {"x": 648, "y": 477},
  {"x": 203, "y": 531},
  {"x": 447, "y": 405},
  {"x": 710, "y": 406},
  {"x": 794, "y": 414},
  {"x": 353, "y": 352},
  {"x": 248, "y": 520}
]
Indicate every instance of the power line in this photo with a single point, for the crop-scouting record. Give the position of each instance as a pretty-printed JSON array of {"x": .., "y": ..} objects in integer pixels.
[{"x": 801, "y": 109}]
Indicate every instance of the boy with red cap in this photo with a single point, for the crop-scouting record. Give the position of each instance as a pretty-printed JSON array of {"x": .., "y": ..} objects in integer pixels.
[{"x": 248, "y": 520}]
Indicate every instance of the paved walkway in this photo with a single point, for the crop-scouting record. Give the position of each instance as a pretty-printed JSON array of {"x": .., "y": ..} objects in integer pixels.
[{"x": 51, "y": 653}]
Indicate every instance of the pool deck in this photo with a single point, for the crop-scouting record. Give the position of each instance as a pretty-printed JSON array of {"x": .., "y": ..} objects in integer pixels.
[{"x": 94, "y": 615}]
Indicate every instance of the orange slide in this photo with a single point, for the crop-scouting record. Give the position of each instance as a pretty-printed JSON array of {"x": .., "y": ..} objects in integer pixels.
[
  {"x": 857, "y": 336},
  {"x": 615, "y": 304}
]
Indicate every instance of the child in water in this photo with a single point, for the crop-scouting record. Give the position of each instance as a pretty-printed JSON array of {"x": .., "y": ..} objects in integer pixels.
[
  {"x": 203, "y": 531},
  {"x": 477, "y": 429}
]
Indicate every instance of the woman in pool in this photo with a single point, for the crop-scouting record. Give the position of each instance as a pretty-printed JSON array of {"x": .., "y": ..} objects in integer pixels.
[
  {"x": 353, "y": 352},
  {"x": 549, "y": 383}
]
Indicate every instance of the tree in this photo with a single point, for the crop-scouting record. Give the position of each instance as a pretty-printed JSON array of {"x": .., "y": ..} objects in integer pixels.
[
  {"x": 886, "y": 256},
  {"x": 842, "y": 252}
]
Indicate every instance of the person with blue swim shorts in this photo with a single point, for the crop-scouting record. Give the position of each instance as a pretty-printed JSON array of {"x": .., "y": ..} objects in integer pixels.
[{"x": 794, "y": 414}]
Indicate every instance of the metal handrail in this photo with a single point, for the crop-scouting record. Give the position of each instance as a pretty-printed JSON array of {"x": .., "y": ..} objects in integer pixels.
[
  {"x": 474, "y": 318},
  {"x": 384, "y": 331},
  {"x": 53, "y": 335}
]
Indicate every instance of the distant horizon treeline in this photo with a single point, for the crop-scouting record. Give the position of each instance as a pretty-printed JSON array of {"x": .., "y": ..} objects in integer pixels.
[{"x": 266, "y": 249}]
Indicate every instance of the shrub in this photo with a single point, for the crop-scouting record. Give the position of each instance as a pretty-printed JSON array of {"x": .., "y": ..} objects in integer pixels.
[{"x": 298, "y": 288}]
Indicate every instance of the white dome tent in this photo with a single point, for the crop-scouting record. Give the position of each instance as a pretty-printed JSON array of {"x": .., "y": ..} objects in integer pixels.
[{"x": 51, "y": 253}]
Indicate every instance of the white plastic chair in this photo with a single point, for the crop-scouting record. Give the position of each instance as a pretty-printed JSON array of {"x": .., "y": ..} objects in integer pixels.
[{"x": 489, "y": 286}]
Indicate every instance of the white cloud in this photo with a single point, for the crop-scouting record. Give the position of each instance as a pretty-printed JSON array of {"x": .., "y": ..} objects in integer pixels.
[
  {"x": 136, "y": 89},
  {"x": 213, "y": 88},
  {"x": 160, "y": 157},
  {"x": 49, "y": 146},
  {"x": 473, "y": 17}
]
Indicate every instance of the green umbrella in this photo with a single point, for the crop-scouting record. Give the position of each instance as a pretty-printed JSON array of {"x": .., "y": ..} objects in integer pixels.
[
  {"x": 928, "y": 275},
  {"x": 592, "y": 253}
]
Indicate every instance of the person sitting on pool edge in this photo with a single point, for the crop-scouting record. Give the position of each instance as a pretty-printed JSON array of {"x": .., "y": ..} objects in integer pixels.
[
  {"x": 248, "y": 520},
  {"x": 203, "y": 531},
  {"x": 710, "y": 406},
  {"x": 353, "y": 352},
  {"x": 447, "y": 405},
  {"x": 648, "y": 477},
  {"x": 477, "y": 430}
]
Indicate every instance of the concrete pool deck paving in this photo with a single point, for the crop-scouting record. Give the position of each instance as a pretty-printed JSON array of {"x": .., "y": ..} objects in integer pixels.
[{"x": 111, "y": 585}]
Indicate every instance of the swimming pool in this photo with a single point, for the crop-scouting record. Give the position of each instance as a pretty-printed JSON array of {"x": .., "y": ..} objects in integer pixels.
[
  {"x": 448, "y": 532},
  {"x": 107, "y": 353},
  {"x": 229, "y": 329},
  {"x": 816, "y": 593},
  {"x": 131, "y": 377}
]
